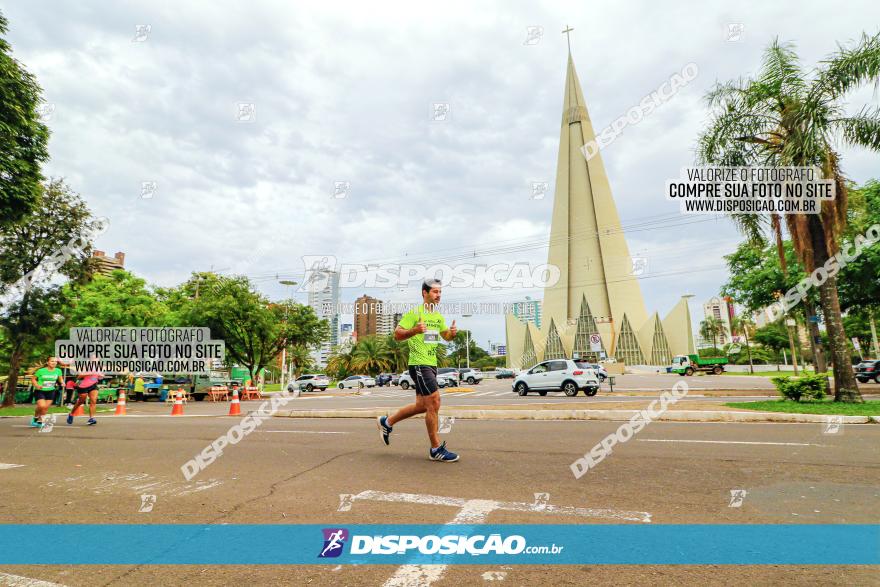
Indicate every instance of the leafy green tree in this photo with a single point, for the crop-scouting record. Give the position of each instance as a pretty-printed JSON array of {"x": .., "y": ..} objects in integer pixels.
[
  {"x": 118, "y": 299},
  {"x": 858, "y": 285},
  {"x": 254, "y": 330},
  {"x": 773, "y": 336},
  {"x": 745, "y": 325},
  {"x": 755, "y": 275},
  {"x": 28, "y": 324},
  {"x": 785, "y": 117},
  {"x": 53, "y": 241},
  {"x": 23, "y": 137}
]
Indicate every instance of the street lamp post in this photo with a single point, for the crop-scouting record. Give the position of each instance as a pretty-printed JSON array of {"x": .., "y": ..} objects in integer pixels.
[
  {"x": 467, "y": 345},
  {"x": 289, "y": 284}
]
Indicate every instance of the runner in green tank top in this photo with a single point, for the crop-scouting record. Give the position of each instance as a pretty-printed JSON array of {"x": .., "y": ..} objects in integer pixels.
[
  {"x": 44, "y": 380},
  {"x": 423, "y": 328}
]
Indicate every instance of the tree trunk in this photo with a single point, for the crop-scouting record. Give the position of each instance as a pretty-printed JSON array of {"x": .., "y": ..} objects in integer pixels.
[
  {"x": 845, "y": 387},
  {"x": 748, "y": 349},
  {"x": 818, "y": 352},
  {"x": 874, "y": 341},
  {"x": 12, "y": 381}
]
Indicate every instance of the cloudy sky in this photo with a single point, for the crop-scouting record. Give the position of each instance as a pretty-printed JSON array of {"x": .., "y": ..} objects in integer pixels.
[{"x": 343, "y": 92}]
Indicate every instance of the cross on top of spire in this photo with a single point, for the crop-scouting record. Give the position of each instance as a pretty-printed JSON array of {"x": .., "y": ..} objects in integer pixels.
[{"x": 565, "y": 31}]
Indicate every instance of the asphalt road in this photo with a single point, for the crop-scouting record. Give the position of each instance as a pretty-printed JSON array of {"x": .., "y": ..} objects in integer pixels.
[{"x": 295, "y": 471}]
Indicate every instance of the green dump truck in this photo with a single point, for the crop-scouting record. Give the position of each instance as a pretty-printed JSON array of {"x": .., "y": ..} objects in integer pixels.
[{"x": 690, "y": 364}]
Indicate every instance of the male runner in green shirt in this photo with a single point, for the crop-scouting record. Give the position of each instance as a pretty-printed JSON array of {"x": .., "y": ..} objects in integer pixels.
[
  {"x": 44, "y": 380},
  {"x": 422, "y": 328}
]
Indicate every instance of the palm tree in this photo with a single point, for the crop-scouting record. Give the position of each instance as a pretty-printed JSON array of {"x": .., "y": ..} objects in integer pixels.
[
  {"x": 339, "y": 362},
  {"x": 712, "y": 328},
  {"x": 371, "y": 356},
  {"x": 300, "y": 359},
  {"x": 785, "y": 117},
  {"x": 398, "y": 351},
  {"x": 743, "y": 324}
]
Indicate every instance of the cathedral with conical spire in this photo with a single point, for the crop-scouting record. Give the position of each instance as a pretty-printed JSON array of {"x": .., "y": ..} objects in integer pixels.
[{"x": 597, "y": 295}]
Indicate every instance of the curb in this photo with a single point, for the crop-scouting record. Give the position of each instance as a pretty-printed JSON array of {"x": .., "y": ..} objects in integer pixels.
[{"x": 598, "y": 415}]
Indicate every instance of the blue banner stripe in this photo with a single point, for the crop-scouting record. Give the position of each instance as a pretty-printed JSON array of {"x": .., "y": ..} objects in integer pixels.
[{"x": 731, "y": 544}]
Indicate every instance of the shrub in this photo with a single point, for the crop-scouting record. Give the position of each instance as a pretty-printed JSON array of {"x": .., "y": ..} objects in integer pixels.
[{"x": 805, "y": 386}]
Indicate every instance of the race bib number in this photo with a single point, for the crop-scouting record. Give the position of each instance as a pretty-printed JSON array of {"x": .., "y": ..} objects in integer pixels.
[{"x": 432, "y": 336}]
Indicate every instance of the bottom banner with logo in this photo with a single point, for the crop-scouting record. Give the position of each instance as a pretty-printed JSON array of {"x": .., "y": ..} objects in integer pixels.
[{"x": 472, "y": 544}]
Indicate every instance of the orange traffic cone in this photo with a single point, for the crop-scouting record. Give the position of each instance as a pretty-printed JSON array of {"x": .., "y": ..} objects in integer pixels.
[
  {"x": 120, "y": 404},
  {"x": 79, "y": 410},
  {"x": 234, "y": 405},
  {"x": 177, "y": 410}
]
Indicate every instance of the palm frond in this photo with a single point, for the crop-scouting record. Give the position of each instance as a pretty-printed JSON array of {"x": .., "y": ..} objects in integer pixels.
[
  {"x": 861, "y": 130},
  {"x": 848, "y": 69},
  {"x": 781, "y": 73}
]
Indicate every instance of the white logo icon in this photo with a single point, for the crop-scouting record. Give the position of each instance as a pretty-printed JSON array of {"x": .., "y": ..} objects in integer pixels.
[
  {"x": 440, "y": 111},
  {"x": 246, "y": 112},
  {"x": 148, "y": 189},
  {"x": 141, "y": 32},
  {"x": 833, "y": 425},
  {"x": 341, "y": 189},
  {"x": 147, "y": 502},
  {"x": 344, "y": 502},
  {"x": 445, "y": 425},
  {"x": 539, "y": 190},
  {"x": 735, "y": 31},
  {"x": 48, "y": 424},
  {"x": 736, "y": 498},
  {"x": 533, "y": 35},
  {"x": 639, "y": 265}
]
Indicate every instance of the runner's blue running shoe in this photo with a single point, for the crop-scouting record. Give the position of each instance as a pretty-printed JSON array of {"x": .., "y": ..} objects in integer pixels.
[
  {"x": 384, "y": 429},
  {"x": 441, "y": 454},
  {"x": 35, "y": 423},
  {"x": 92, "y": 421},
  {"x": 70, "y": 418}
]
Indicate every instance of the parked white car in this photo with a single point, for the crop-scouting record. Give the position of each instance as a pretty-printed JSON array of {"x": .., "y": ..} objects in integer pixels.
[
  {"x": 310, "y": 382},
  {"x": 443, "y": 380},
  {"x": 563, "y": 375},
  {"x": 470, "y": 376},
  {"x": 356, "y": 381}
]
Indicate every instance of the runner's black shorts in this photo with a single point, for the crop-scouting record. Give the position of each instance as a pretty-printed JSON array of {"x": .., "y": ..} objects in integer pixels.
[
  {"x": 425, "y": 379},
  {"x": 45, "y": 394},
  {"x": 90, "y": 388}
]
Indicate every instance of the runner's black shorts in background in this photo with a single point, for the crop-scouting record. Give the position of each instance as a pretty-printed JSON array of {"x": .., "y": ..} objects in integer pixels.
[
  {"x": 45, "y": 394},
  {"x": 425, "y": 379}
]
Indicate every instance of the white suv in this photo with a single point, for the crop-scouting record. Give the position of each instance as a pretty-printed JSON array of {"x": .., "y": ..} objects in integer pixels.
[
  {"x": 471, "y": 376},
  {"x": 443, "y": 380},
  {"x": 558, "y": 375}
]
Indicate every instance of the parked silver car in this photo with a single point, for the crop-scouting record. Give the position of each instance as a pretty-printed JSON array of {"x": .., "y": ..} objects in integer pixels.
[
  {"x": 310, "y": 382},
  {"x": 356, "y": 382},
  {"x": 563, "y": 375}
]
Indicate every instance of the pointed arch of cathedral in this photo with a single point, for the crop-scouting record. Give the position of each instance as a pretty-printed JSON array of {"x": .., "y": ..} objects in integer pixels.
[
  {"x": 660, "y": 354},
  {"x": 628, "y": 349},
  {"x": 529, "y": 358},
  {"x": 554, "y": 349},
  {"x": 586, "y": 325}
]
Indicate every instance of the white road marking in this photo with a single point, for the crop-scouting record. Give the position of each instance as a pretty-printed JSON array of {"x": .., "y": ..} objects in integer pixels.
[
  {"x": 114, "y": 481},
  {"x": 473, "y": 511},
  {"x": 16, "y": 581},
  {"x": 304, "y": 431},
  {"x": 726, "y": 442},
  {"x": 9, "y": 466}
]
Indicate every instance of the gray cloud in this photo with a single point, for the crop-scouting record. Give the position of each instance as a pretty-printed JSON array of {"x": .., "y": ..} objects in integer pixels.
[{"x": 343, "y": 92}]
